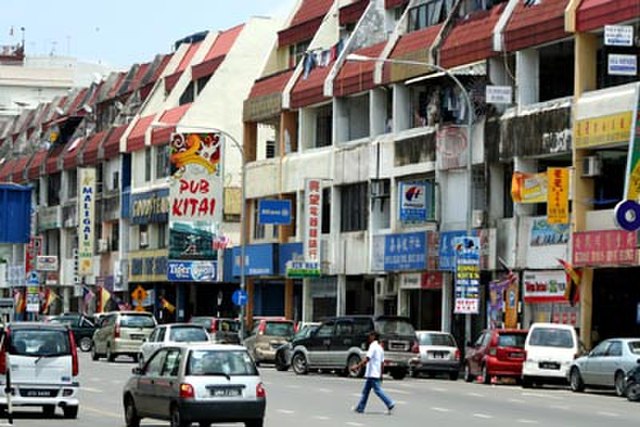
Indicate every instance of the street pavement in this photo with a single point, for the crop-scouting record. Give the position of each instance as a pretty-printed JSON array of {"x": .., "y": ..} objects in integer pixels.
[{"x": 325, "y": 400}]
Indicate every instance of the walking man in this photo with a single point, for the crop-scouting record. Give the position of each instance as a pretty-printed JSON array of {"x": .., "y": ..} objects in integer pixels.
[{"x": 373, "y": 374}]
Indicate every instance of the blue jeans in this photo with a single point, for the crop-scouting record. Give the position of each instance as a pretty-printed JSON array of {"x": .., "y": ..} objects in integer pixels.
[{"x": 373, "y": 383}]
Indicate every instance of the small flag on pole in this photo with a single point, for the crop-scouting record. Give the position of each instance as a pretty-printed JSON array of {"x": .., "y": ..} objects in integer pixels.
[{"x": 574, "y": 277}]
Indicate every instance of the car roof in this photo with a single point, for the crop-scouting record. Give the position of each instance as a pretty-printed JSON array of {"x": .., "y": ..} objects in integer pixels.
[
  {"x": 433, "y": 332},
  {"x": 552, "y": 325},
  {"x": 210, "y": 346},
  {"x": 180, "y": 325},
  {"x": 37, "y": 325}
]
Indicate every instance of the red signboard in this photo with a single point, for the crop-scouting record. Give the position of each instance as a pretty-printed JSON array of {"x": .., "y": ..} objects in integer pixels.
[{"x": 600, "y": 248}]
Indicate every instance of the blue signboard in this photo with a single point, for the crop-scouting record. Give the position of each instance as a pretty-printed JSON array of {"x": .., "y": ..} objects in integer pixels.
[
  {"x": 239, "y": 297},
  {"x": 407, "y": 251},
  {"x": 447, "y": 253},
  {"x": 192, "y": 271},
  {"x": 416, "y": 201},
  {"x": 273, "y": 211},
  {"x": 259, "y": 260},
  {"x": 467, "y": 286},
  {"x": 15, "y": 215},
  {"x": 288, "y": 252},
  {"x": 150, "y": 207}
]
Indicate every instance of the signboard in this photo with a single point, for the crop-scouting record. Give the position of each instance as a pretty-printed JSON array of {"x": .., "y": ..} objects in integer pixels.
[
  {"x": 302, "y": 269},
  {"x": 545, "y": 234},
  {"x": 195, "y": 193},
  {"x": 150, "y": 207},
  {"x": 529, "y": 187},
  {"x": 313, "y": 219},
  {"x": 618, "y": 35},
  {"x": 259, "y": 260},
  {"x": 139, "y": 293},
  {"x": 33, "y": 299},
  {"x": 192, "y": 271},
  {"x": 148, "y": 266},
  {"x": 632, "y": 181},
  {"x": 416, "y": 201},
  {"x": 407, "y": 251},
  {"x": 558, "y": 196},
  {"x": 32, "y": 250},
  {"x": 467, "y": 282},
  {"x": 424, "y": 280},
  {"x": 86, "y": 219},
  {"x": 499, "y": 94},
  {"x": 49, "y": 218},
  {"x": 622, "y": 65},
  {"x": 447, "y": 248},
  {"x": 239, "y": 297},
  {"x": 544, "y": 286},
  {"x": 604, "y": 130},
  {"x": 451, "y": 145},
  {"x": 600, "y": 248},
  {"x": 47, "y": 263},
  {"x": 276, "y": 212}
]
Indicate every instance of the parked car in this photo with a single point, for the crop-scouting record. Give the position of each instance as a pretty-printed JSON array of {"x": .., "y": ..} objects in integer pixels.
[
  {"x": 122, "y": 333},
  {"x": 202, "y": 383},
  {"x": 82, "y": 327},
  {"x": 606, "y": 365},
  {"x": 172, "y": 333},
  {"x": 551, "y": 349},
  {"x": 266, "y": 336},
  {"x": 44, "y": 369},
  {"x": 284, "y": 352},
  {"x": 439, "y": 353},
  {"x": 222, "y": 330},
  {"x": 632, "y": 390},
  {"x": 496, "y": 353},
  {"x": 341, "y": 342}
]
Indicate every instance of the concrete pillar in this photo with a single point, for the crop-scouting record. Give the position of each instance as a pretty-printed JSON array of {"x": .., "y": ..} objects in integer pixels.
[
  {"x": 288, "y": 132},
  {"x": 66, "y": 299},
  {"x": 340, "y": 121},
  {"x": 527, "y": 76},
  {"x": 447, "y": 303},
  {"x": 307, "y": 301},
  {"x": 250, "y": 288},
  {"x": 378, "y": 111},
  {"x": 586, "y": 306},
  {"x": 250, "y": 141},
  {"x": 341, "y": 295},
  {"x": 401, "y": 108}
]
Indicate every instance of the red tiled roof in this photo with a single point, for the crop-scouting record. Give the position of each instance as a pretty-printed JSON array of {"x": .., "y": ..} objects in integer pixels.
[
  {"x": 75, "y": 104},
  {"x": 19, "y": 168},
  {"x": 188, "y": 56},
  {"x": 217, "y": 52},
  {"x": 206, "y": 68},
  {"x": 162, "y": 135},
  {"x": 305, "y": 22},
  {"x": 310, "y": 91},
  {"x": 160, "y": 69},
  {"x": 111, "y": 144},
  {"x": 355, "y": 76},
  {"x": 6, "y": 169},
  {"x": 71, "y": 153},
  {"x": 94, "y": 96},
  {"x": 593, "y": 14},
  {"x": 33, "y": 172},
  {"x": 137, "y": 79},
  {"x": 91, "y": 149},
  {"x": 390, "y": 4},
  {"x": 116, "y": 86},
  {"x": 411, "y": 42},
  {"x": 135, "y": 140},
  {"x": 471, "y": 39},
  {"x": 51, "y": 164},
  {"x": 535, "y": 25},
  {"x": 351, "y": 13},
  {"x": 271, "y": 84}
]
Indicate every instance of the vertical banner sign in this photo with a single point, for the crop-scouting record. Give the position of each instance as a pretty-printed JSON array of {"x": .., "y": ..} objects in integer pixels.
[
  {"x": 86, "y": 226},
  {"x": 195, "y": 195},
  {"x": 467, "y": 289},
  {"x": 511, "y": 304},
  {"x": 632, "y": 183},
  {"x": 33, "y": 250},
  {"x": 313, "y": 220},
  {"x": 558, "y": 196}
]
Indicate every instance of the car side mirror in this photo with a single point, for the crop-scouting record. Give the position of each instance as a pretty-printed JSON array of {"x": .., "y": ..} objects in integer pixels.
[{"x": 137, "y": 371}]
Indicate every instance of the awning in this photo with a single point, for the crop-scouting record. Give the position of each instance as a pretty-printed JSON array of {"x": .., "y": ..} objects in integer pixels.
[
  {"x": 171, "y": 80},
  {"x": 412, "y": 46},
  {"x": 170, "y": 117},
  {"x": 136, "y": 138},
  {"x": 265, "y": 99},
  {"x": 310, "y": 91},
  {"x": 19, "y": 168},
  {"x": 533, "y": 25},
  {"x": 71, "y": 152},
  {"x": 305, "y": 22},
  {"x": 52, "y": 165},
  {"x": 595, "y": 14},
  {"x": 476, "y": 69},
  {"x": 390, "y": 4},
  {"x": 91, "y": 149},
  {"x": 111, "y": 145},
  {"x": 350, "y": 14},
  {"x": 217, "y": 52},
  {"x": 5, "y": 170},
  {"x": 354, "y": 76},
  {"x": 206, "y": 68},
  {"x": 35, "y": 167}
]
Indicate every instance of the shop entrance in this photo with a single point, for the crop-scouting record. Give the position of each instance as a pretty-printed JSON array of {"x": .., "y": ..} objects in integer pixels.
[
  {"x": 425, "y": 309},
  {"x": 616, "y": 303}
]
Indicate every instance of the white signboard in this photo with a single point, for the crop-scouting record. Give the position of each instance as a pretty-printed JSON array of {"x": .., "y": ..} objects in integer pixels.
[
  {"x": 622, "y": 65},
  {"x": 86, "y": 219},
  {"x": 618, "y": 35},
  {"x": 47, "y": 263},
  {"x": 499, "y": 94},
  {"x": 313, "y": 219}
]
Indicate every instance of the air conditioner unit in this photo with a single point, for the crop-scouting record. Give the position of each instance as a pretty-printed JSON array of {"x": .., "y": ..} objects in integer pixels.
[
  {"x": 380, "y": 286},
  {"x": 477, "y": 218},
  {"x": 591, "y": 167},
  {"x": 144, "y": 239},
  {"x": 103, "y": 246}
]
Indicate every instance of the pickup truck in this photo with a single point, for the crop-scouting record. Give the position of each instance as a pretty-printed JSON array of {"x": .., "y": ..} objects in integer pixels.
[{"x": 82, "y": 327}]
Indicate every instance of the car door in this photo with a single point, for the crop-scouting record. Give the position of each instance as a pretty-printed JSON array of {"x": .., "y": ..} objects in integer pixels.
[
  {"x": 166, "y": 387},
  {"x": 319, "y": 344},
  {"x": 611, "y": 361},
  {"x": 340, "y": 343},
  {"x": 148, "y": 398},
  {"x": 147, "y": 347},
  {"x": 104, "y": 332},
  {"x": 474, "y": 358},
  {"x": 590, "y": 369}
]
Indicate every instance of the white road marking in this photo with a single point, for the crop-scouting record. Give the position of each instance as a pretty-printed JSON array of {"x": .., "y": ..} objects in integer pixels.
[
  {"x": 356, "y": 394},
  {"x": 526, "y": 421},
  {"x": 608, "y": 414},
  {"x": 293, "y": 386},
  {"x": 440, "y": 389},
  {"x": 484, "y": 416},
  {"x": 91, "y": 389},
  {"x": 101, "y": 412},
  {"x": 516, "y": 401},
  {"x": 321, "y": 418},
  {"x": 351, "y": 423},
  {"x": 325, "y": 390},
  {"x": 544, "y": 396},
  {"x": 401, "y": 402},
  {"x": 437, "y": 409},
  {"x": 395, "y": 390},
  {"x": 286, "y": 411},
  {"x": 475, "y": 394},
  {"x": 564, "y": 407}
]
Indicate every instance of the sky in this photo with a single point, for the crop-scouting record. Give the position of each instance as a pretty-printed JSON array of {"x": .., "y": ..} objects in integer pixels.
[{"x": 119, "y": 33}]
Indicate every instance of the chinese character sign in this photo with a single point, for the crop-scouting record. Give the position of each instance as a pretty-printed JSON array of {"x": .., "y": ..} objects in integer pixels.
[
  {"x": 86, "y": 221},
  {"x": 195, "y": 194},
  {"x": 558, "y": 196},
  {"x": 313, "y": 219},
  {"x": 467, "y": 286},
  {"x": 407, "y": 251}
]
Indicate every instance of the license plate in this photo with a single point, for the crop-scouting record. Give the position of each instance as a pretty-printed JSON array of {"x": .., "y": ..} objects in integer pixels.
[
  {"x": 549, "y": 365},
  {"x": 437, "y": 355},
  {"x": 225, "y": 392},
  {"x": 139, "y": 337},
  {"x": 37, "y": 393}
]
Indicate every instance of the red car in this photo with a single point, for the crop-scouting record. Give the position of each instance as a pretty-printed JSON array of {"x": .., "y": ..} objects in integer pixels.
[{"x": 496, "y": 353}]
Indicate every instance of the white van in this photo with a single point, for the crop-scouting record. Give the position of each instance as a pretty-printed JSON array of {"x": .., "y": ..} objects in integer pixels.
[
  {"x": 550, "y": 349},
  {"x": 42, "y": 363}
]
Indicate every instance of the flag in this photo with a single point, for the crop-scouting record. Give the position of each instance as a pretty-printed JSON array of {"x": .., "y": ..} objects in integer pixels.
[
  {"x": 87, "y": 296},
  {"x": 511, "y": 299},
  {"x": 48, "y": 298},
  {"x": 574, "y": 277},
  {"x": 19, "y": 301},
  {"x": 167, "y": 305},
  {"x": 105, "y": 296}
]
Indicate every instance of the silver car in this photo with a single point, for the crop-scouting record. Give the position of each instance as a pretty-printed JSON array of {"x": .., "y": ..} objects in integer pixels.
[
  {"x": 438, "y": 354},
  {"x": 203, "y": 383},
  {"x": 168, "y": 334},
  {"x": 606, "y": 365}
]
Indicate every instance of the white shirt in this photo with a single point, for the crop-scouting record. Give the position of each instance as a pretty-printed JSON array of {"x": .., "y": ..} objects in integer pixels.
[{"x": 376, "y": 357}]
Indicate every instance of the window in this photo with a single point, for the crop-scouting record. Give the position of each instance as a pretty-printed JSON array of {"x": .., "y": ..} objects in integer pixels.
[
  {"x": 212, "y": 362},
  {"x": 188, "y": 95},
  {"x": 144, "y": 235},
  {"x": 326, "y": 210},
  {"x": 512, "y": 340},
  {"x": 154, "y": 367},
  {"x": 39, "y": 342},
  {"x": 163, "y": 165},
  {"x": 604, "y": 79},
  {"x": 187, "y": 334},
  {"x": 147, "y": 164},
  {"x": 344, "y": 328},
  {"x": 444, "y": 340},
  {"x": 556, "y": 63},
  {"x": 115, "y": 235},
  {"x": 551, "y": 337},
  {"x": 325, "y": 331},
  {"x": 53, "y": 189},
  {"x": 324, "y": 126},
  {"x": 270, "y": 150},
  {"x": 600, "y": 349},
  {"x": 171, "y": 364},
  {"x": 297, "y": 51},
  {"x": 137, "y": 321},
  {"x": 615, "y": 349},
  {"x": 634, "y": 347},
  {"x": 429, "y": 14},
  {"x": 162, "y": 235},
  {"x": 201, "y": 83},
  {"x": 154, "y": 336},
  {"x": 279, "y": 329},
  {"x": 99, "y": 178},
  {"x": 258, "y": 229},
  {"x": 73, "y": 183},
  {"x": 354, "y": 211}
]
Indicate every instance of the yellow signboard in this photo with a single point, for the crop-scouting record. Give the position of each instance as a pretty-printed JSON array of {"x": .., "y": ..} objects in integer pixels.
[
  {"x": 529, "y": 187},
  {"x": 139, "y": 294},
  {"x": 558, "y": 196},
  {"x": 603, "y": 131}
]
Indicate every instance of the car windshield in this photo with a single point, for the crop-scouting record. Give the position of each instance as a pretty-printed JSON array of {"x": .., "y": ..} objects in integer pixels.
[
  {"x": 39, "y": 342},
  {"x": 634, "y": 347},
  {"x": 551, "y": 337},
  {"x": 305, "y": 331},
  {"x": 279, "y": 329},
  {"x": 188, "y": 334},
  {"x": 394, "y": 327},
  {"x": 137, "y": 321},
  {"x": 444, "y": 340},
  {"x": 220, "y": 362},
  {"x": 225, "y": 325},
  {"x": 512, "y": 340}
]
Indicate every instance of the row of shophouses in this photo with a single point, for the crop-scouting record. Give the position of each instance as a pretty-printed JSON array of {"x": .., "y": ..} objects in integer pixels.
[{"x": 377, "y": 136}]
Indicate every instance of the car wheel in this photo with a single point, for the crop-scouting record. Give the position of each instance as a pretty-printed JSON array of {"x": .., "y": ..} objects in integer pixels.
[
  {"x": 130, "y": 413},
  {"x": 254, "y": 423},
  {"x": 398, "y": 374},
  {"x": 527, "y": 382},
  {"x": 110, "y": 356},
  {"x": 281, "y": 364},
  {"x": 299, "y": 364},
  {"x": 48, "y": 411},
  {"x": 176, "y": 418},
  {"x": 453, "y": 376},
  {"x": 415, "y": 374},
  {"x": 575, "y": 380},
  {"x": 70, "y": 412},
  {"x": 619, "y": 383},
  {"x": 633, "y": 392},
  {"x": 486, "y": 378},
  {"x": 353, "y": 361},
  {"x": 468, "y": 377},
  {"x": 94, "y": 353},
  {"x": 85, "y": 344}
]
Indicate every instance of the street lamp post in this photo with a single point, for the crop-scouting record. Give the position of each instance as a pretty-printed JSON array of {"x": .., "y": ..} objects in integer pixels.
[
  {"x": 243, "y": 212},
  {"x": 362, "y": 58}
]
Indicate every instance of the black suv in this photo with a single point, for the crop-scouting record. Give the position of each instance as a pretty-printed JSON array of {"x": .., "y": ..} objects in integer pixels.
[{"x": 341, "y": 342}]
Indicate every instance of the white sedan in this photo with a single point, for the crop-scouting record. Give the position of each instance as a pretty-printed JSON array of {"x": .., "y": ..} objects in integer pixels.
[{"x": 171, "y": 333}]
